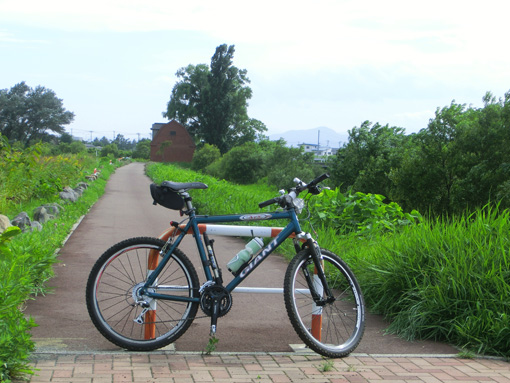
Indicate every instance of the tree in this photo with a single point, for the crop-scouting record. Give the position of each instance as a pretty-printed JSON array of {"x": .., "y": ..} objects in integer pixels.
[
  {"x": 364, "y": 163},
  {"x": 27, "y": 114},
  {"x": 123, "y": 143},
  {"x": 142, "y": 149},
  {"x": 282, "y": 164},
  {"x": 100, "y": 142},
  {"x": 212, "y": 102},
  {"x": 66, "y": 138},
  {"x": 110, "y": 150}
]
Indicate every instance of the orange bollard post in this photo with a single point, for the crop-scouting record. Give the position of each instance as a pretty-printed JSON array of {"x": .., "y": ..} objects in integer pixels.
[
  {"x": 150, "y": 316},
  {"x": 317, "y": 310}
]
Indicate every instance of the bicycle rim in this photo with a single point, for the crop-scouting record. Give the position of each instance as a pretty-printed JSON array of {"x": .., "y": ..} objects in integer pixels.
[
  {"x": 112, "y": 296},
  {"x": 335, "y": 329}
]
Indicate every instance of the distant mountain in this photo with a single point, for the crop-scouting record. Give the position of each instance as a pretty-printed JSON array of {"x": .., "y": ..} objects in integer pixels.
[{"x": 326, "y": 136}]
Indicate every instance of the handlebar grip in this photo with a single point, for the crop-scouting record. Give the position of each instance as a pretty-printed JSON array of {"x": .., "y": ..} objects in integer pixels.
[
  {"x": 319, "y": 179},
  {"x": 268, "y": 202}
]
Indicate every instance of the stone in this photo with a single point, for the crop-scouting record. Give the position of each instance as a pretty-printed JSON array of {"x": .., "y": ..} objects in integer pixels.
[
  {"x": 78, "y": 191},
  {"x": 35, "y": 225},
  {"x": 68, "y": 194},
  {"x": 4, "y": 223},
  {"x": 22, "y": 221},
  {"x": 53, "y": 208},
  {"x": 41, "y": 215}
]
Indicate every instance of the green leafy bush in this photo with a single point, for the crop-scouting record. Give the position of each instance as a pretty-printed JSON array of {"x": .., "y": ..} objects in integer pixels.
[
  {"x": 359, "y": 213},
  {"x": 205, "y": 156}
]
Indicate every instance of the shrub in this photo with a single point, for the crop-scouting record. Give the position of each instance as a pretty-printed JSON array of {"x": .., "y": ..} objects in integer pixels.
[
  {"x": 243, "y": 164},
  {"x": 205, "y": 156},
  {"x": 359, "y": 213}
]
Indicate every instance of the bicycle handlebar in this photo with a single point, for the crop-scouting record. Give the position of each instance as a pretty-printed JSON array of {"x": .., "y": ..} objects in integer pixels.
[
  {"x": 269, "y": 202},
  {"x": 284, "y": 200}
]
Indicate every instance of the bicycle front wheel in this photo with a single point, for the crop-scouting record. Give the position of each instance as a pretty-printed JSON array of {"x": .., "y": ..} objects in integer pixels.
[
  {"x": 126, "y": 317},
  {"x": 331, "y": 329}
]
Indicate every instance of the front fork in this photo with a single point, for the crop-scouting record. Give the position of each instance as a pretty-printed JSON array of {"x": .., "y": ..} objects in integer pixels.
[{"x": 314, "y": 249}]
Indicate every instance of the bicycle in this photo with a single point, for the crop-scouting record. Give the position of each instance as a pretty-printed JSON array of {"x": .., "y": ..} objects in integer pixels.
[{"x": 143, "y": 293}]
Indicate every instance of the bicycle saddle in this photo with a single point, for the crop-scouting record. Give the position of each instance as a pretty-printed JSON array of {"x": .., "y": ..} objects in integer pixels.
[{"x": 176, "y": 186}]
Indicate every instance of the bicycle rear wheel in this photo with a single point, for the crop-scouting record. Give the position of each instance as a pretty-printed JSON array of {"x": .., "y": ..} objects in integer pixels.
[
  {"x": 335, "y": 329},
  {"x": 114, "y": 302}
]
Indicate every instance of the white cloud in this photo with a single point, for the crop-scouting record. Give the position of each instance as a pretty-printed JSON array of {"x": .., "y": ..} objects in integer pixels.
[
  {"x": 6, "y": 37},
  {"x": 335, "y": 62}
]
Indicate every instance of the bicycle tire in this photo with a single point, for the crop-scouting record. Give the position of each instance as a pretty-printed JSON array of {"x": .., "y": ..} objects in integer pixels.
[
  {"x": 111, "y": 290},
  {"x": 335, "y": 329}
]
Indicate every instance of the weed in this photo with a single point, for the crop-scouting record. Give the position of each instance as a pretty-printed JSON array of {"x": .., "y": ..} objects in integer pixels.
[
  {"x": 211, "y": 346},
  {"x": 326, "y": 365},
  {"x": 466, "y": 354},
  {"x": 351, "y": 368}
]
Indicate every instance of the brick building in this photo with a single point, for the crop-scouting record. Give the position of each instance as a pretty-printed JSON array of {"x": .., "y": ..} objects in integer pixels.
[{"x": 171, "y": 142}]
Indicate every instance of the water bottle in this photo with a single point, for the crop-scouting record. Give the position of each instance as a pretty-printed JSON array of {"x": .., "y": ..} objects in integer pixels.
[{"x": 245, "y": 255}]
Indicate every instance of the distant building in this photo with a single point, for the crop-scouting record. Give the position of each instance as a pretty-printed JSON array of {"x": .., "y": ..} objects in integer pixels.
[
  {"x": 321, "y": 153},
  {"x": 171, "y": 142}
]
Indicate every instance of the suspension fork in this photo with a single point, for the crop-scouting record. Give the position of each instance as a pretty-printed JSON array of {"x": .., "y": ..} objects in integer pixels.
[{"x": 314, "y": 249}]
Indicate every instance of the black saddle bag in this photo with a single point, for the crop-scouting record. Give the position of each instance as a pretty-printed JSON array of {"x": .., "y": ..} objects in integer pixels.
[{"x": 166, "y": 197}]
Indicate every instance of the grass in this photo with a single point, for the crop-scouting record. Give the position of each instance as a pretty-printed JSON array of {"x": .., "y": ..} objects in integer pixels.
[
  {"x": 26, "y": 262},
  {"x": 443, "y": 280},
  {"x": 326, "y": 365}
]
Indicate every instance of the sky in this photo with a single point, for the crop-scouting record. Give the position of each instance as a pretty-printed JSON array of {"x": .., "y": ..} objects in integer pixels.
[{"x": 321, "y": 63}]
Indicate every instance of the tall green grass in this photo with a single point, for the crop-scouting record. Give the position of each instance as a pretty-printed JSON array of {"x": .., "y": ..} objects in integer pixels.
[
  {"x": 26, "y": 264},
  {"x": 446, "y": 280},
  {"x": 221, "y": 197}
]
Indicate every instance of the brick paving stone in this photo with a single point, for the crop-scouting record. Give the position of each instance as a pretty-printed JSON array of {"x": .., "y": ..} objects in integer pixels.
[
  {"x": 224, "y": 368},
  {"x": 220, "y": 374}
]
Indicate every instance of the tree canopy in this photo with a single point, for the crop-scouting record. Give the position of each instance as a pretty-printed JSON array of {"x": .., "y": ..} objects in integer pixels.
[
  {"x": 28, "y": 115},
  {"x": 211, "y": 102},
  {"x": 460, "y": 161}
]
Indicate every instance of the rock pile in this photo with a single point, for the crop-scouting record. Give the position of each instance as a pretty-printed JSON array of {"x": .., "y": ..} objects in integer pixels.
[{"x": 47, "y": 212}]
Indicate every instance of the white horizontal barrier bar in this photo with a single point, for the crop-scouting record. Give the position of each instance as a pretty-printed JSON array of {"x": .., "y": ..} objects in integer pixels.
[
  {"x": 265, "y": 290},
  {"x": 251, "y": 290}
]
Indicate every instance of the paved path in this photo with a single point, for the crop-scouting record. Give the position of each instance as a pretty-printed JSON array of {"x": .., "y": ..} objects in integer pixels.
[
  {"x": 253, "y": 367},
  {"x": 69, "y": 348}
]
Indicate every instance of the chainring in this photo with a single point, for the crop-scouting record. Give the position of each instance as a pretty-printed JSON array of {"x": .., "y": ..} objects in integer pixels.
[{"x": 213, "y": 293}]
